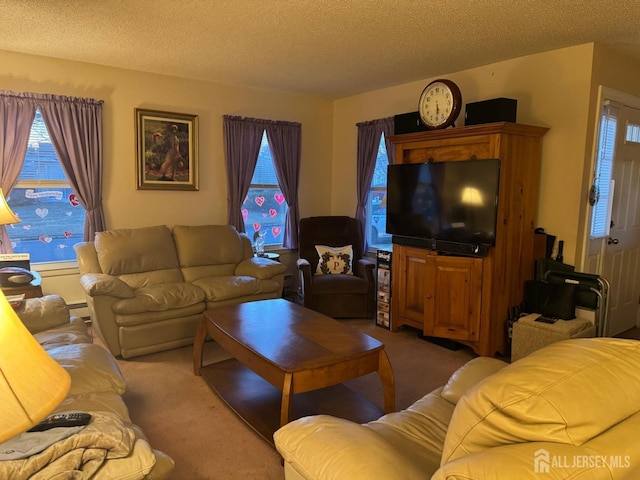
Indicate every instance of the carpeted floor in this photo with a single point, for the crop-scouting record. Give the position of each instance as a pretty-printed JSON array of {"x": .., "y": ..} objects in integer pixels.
[{"x": 184, "y": 418}]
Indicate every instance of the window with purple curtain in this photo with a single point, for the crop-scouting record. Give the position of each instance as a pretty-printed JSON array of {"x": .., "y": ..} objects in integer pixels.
[
  {"x": 263, "y": 163},
  {"x": 56, "y": 142},
  {"x": 375, "y": 152}
]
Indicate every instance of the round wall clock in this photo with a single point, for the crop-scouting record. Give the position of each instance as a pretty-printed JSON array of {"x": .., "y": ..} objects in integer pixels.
[{"x": 440, "y": 104}]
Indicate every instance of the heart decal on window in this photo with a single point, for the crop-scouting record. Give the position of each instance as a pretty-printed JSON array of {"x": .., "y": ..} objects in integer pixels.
[{"x": 73, "y": 200}]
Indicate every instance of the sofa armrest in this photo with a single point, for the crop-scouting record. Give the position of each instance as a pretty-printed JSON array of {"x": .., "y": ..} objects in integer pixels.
[
  {"x": 39, "y": 314},
  {"x": 307, "y": 286},
  {"x": 322, "y": 446},
  {"x": 364, "y": 268},
  {"x": 303, "y": 264},
  {"x": 95, "y": 284},
  {"x": 469, "y": 375},
  {"x": 259, "y": 267}
]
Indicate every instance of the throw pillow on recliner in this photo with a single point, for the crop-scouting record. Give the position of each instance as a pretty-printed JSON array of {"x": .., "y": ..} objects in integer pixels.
[{"x": 334, "y": 260}]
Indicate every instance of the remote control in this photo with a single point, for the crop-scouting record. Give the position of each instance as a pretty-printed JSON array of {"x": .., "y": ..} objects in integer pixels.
[
  {"x": 544, "y": 319},
  {"x": 73, "y": 419}
]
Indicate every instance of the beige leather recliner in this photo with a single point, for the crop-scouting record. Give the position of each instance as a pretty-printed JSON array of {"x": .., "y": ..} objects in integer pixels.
[
  {"x": 570, "y": 410},
  {"x": 146, "y": 288}
]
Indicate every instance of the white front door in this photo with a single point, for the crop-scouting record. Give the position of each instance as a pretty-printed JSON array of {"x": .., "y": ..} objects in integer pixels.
[{"x": 621, "y": 259}]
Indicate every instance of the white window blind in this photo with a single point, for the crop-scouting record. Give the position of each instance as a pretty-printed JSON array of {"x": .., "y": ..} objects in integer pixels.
[{"x": 603, "y": 183}]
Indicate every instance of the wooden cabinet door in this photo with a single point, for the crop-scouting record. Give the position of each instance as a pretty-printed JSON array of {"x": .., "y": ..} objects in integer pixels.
[
  {"x": 410, "y": 273},
  {"x": 452, "y": 304}
]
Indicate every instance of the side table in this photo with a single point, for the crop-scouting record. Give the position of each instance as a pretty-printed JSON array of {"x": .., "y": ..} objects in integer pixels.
[
  {"x": 32, "y": 289},
  {"x": 270, "y": 256},
  {"x": 529, "y": 335}
]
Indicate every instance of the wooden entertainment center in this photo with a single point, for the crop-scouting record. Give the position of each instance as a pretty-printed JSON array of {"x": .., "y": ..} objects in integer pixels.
[{"x": 456, "y": 296}]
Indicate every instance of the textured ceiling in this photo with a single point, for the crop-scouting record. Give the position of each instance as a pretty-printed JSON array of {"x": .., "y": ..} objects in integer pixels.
[{"x": 332, "y": 48}]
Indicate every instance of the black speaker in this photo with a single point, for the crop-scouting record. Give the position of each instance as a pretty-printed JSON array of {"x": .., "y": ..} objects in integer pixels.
[
  {"x": 489, "y": 111},
  {"x": 408, "y": 123}
]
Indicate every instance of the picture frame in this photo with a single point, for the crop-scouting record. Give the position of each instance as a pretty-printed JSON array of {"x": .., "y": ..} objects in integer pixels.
[{"x": 167, "y": 150}]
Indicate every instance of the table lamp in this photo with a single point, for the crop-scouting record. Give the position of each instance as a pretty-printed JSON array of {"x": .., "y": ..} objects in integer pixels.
[
  {"x": 32, "y": 384},
  {"x": 7, "y": 216}
]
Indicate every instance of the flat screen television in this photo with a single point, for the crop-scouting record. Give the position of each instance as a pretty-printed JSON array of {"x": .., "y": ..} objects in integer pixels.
[{"x": 453, "y": 201}]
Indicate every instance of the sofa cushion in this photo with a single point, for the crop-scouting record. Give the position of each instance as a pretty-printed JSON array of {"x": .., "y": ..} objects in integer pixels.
[
  {"x": 225, "y": 288},
  {"x": 344, "y": 284},
  {"x": 105, "y": 401},
  {"x": 91, "y": 368},
  {"x": 136, "y": 250},
  {"x": 158, "y": 298},
  {"x": 75, "y": 331},
  {"x": 207, "y": 245},
  {"x": 567, "y": 393}
]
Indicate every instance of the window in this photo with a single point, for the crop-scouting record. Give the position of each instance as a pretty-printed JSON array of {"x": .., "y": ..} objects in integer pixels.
[
  {"x": 377, "y": 236},
  {"x": 52, "y": 217},
  {"x": 633, "y": 133},
  {"x": 602, "y": 190},
  {"x": 264, "y": 209}
]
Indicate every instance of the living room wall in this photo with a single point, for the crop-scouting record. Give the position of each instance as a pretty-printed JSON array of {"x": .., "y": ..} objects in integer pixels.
[
  {"x": 553, "y": 90},
  {"x": 122, "y": 91}
]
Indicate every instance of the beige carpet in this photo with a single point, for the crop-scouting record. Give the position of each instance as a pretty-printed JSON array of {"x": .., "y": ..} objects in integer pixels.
[{"x": 184, "y": 418}]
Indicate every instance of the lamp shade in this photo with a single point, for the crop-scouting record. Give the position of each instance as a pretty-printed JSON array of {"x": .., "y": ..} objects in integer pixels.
[
  {"x": 7, "y": 216},
  {"x": 32, "y": 384}
]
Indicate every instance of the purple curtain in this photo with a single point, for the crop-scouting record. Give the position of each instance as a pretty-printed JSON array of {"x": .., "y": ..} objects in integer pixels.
[
  {"x": 16, "y": 116},
  {"x": 75, "y": 128},
  {"x": 286, "y": 144},
  {"x": 368, "y": 140},
  {"x": 242, "y": 137}
]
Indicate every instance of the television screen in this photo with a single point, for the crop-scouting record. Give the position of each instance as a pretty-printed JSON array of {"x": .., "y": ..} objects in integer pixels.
[{"x": 451, "y": 201}]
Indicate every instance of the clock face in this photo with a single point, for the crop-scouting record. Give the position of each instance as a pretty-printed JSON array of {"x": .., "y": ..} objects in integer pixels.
[{"x": 439, "y": 104}]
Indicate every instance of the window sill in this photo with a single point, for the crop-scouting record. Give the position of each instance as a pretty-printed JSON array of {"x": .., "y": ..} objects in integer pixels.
[{"x": 53, "y": 269}]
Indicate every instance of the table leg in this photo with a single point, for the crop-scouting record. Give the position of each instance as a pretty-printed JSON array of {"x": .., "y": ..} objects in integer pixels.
[
  {"x": 285, "y": 407},
  {"x": 388, "y": 382},
  {"x": 198, "y": 342}
]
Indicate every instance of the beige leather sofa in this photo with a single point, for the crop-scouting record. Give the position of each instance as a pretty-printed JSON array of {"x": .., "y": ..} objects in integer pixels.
[
  {"x": 146, "y": 288},
  {"x": 570, "y": 410},
  {"x": 110, "y": 447}
]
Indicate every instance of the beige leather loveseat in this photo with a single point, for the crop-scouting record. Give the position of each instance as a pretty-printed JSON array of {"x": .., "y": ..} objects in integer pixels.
[
  {"x": 110, "y": 447},
  {"x": 570, "y": 410},
  {"x": 146, "y": 288}
]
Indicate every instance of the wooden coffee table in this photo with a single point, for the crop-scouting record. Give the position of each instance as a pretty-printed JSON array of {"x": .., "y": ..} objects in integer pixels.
[{"x": 281, "y": 349}]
